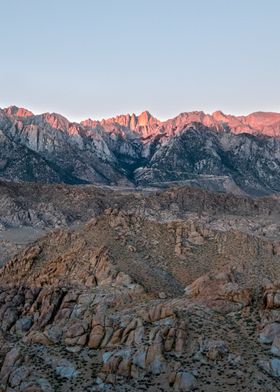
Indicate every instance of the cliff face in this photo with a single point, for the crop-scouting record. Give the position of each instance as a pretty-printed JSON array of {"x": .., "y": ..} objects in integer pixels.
[{"x": 218, "y": 151}]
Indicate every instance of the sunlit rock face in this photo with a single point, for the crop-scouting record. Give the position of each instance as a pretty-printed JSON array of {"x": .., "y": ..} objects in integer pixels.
[{"x": 217, "y": 151}]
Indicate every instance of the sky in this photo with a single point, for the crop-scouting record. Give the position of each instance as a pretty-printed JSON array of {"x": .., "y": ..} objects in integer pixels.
[{"x": 99, "y": 58}]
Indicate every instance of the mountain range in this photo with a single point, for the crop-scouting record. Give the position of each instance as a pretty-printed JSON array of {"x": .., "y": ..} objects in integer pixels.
[{"x": 240, "y": 154}]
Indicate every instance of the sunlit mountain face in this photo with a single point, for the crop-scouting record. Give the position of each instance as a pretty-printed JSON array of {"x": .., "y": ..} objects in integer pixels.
[{"x": 218, "y": 151}]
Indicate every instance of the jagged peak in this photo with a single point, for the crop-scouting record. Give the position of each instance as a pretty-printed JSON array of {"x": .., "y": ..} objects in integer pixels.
[
  {"x": 56, "y": 120},
  {"x": 87, "y": 121},
  {"x": 267, "y": 123},
  {"x": 145, "y": 118},
  {"x": 17, "y": 112},
  {"x": 130, "y": 121},
  {"x": 218, "y": 113},
  {"x": 145, "y": 113}
]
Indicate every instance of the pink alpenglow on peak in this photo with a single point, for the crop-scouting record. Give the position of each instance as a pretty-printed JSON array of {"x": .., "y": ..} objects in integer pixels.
[
  {"x": 14, "y": 111},
  {"x": 214, "y": 151},
  {"x": 56, "y": 121},
  {"x": 146, "y": 126}
]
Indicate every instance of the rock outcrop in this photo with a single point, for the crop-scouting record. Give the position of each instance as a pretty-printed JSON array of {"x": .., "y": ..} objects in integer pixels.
[{"x": 157, "y": 290}]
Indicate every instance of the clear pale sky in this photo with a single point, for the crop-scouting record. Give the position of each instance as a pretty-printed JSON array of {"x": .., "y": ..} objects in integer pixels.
[{"x": 98, "y": 58}]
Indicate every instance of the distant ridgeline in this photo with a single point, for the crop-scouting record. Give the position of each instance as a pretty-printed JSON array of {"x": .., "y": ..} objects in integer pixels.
[{"x": 218, "y": 152}]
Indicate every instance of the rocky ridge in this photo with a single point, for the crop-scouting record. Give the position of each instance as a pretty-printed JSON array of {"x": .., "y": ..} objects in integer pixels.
[
  {"x": 28, "y": 210},
  {"x": 169, "y": 290},
  {"x": 220, "y": 152}
]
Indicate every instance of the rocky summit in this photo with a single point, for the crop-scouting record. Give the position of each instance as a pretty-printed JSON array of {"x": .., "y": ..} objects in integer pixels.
[
  {"x": 147, "y": 289},
  {"x": 238, "y": 154}
]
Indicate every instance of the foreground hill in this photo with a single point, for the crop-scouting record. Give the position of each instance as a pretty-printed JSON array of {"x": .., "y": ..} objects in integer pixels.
[
  {"x": 158, "y": 290},
  {"x": 219, "y": 152},
  {"x": 28, "y": 210}
]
